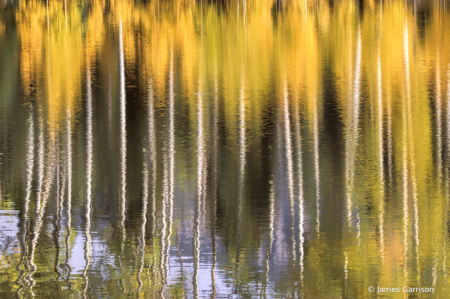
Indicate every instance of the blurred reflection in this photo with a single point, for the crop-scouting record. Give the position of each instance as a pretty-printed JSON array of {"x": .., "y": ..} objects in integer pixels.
[
  {"x": 152, "y": 149},
  {"x": 144, "y": 222},
  {"x": 380, "y": 128},
  {"x": 241, "y": 178},
  {"x": 352, "y": 134},
  {"x": 301, "y": 194},
  {"x": 123, "y": 135},
  {"x": 68, "y": 152},
  {"x": 290, "y": 170},
  {"x": 25, "y": 220},
  {"x": 214, "y": 180},
  {"x": 216, "y": 149},
  {"x": 88, "y": 246},
  {"x": 270, "y": 243}
]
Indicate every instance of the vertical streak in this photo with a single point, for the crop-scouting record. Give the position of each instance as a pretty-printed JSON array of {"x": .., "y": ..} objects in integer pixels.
[
  {"x": 204, "y": 163},
  {"x": 123, "y": 135},
  {"x": 65, "y": 13},
  {"x": 438, "y": 121},
  {"x": 444, "y": 263},
  {"x": 61, "y": 201},
  {"x": 48, "y": 24},
  {"x": 346, "y": 271},
  {"x": 412, "y": 158},
  {"x": 269, "y": 245},
  {"x": 448, "y": 116},
  {"x": 44, "y": 194},
  {"x": 438, "y": 150},
  {"x": 163, "y": 256},
  {"x": 177, "y": 240},
  {"x": 242, "y": 141},
  {"x": 151, "y": 125},
  {"x": 171, "y": 156},
  {"x": 351, "y": 144},
  {"x": 237, "y": 22},
  {"x": 288, "y": 146},
  {"x": 242, "y": 162},
  {"x": 316, "y": 162},
  {"x": 244, "y": 8},
  {"x": 109, "y": 102},
  {"x": 390, "y": 143},
  {"x": 89, "y": 138},
  {"x": 214, "y": 156},
  {"x": 28, "y": 184},
  {"x": 40, "y": 178},
  {"x": 405, "y": 148},
  {"x": 414, "y": 188},
  {"x": 57, "y": 219},
  {"x": 200, "y": 186},
  {"x": 144, "y": 222},
  {"x": 380, "y": 144},
  {"x": 69, "y": 186},
  {"x": 305, "y": 11},
  {"x": 438, "y": 145},
  {"x": 301, "y": 198},
  {"x": 48, "y": 48},
  {"x": 353, "y": 134}
]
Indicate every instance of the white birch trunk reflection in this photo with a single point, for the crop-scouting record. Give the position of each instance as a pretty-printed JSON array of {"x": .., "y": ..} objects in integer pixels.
[
  {"x": 447, "y": 120},
  {"x": 405, "y": 168},
  {"x": 242, "y": 163},
  {"x": 152, "y": 144},
  {"x": 69, "y": 186},
  {"x": 25, "y": 219},
  {"x": 351, "y": 147},
  {"x": 123, "y": 136},
  {"x": 352, "y": 135},
  {"x": 270, "y": 242},
  {"x": 200, "y": 187},
  {"x": 439, "y": 146},
  {"x": 439, "y": 170},
  {"x": 290, "y": 165},
  {"x": 40, "y": 178},
  {"x": 59, "y": 186},
  {"x": 380, "y": 128},
  {"x": 141, "y": 240},
  {"x": 214, "y": 156},
  {"x": 316, "y": 162},
  {"x": 171, "y": 153},
  {"x": 301, "y": 199},
  {"x": 438, "y": 104},
  {"x": 163, "y": 257},
  {"x": 89, "y": 158},
  {"x": 44, "y": 188}
]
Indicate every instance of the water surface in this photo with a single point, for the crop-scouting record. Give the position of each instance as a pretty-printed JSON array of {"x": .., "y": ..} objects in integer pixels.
[{"x": 224, "y": 149}]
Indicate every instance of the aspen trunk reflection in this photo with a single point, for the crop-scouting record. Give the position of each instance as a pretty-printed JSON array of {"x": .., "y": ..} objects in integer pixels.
[
  {"x": 89, "y": 161},
  {"x": 123, "y": 136}
]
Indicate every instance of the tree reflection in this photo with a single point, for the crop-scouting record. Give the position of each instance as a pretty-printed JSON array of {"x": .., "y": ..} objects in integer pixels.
[{"x": 207, "y": 149}]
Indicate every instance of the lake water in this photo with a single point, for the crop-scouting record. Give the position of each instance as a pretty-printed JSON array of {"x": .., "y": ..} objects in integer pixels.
[{"x": 224, "y": 149}]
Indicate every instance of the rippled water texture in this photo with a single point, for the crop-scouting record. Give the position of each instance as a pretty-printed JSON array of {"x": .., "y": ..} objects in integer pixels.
[{"x": 224, "y": 149}]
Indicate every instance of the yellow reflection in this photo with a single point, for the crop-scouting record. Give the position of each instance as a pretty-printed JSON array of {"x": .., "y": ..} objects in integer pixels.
[{"x": 381, "y": 89}]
